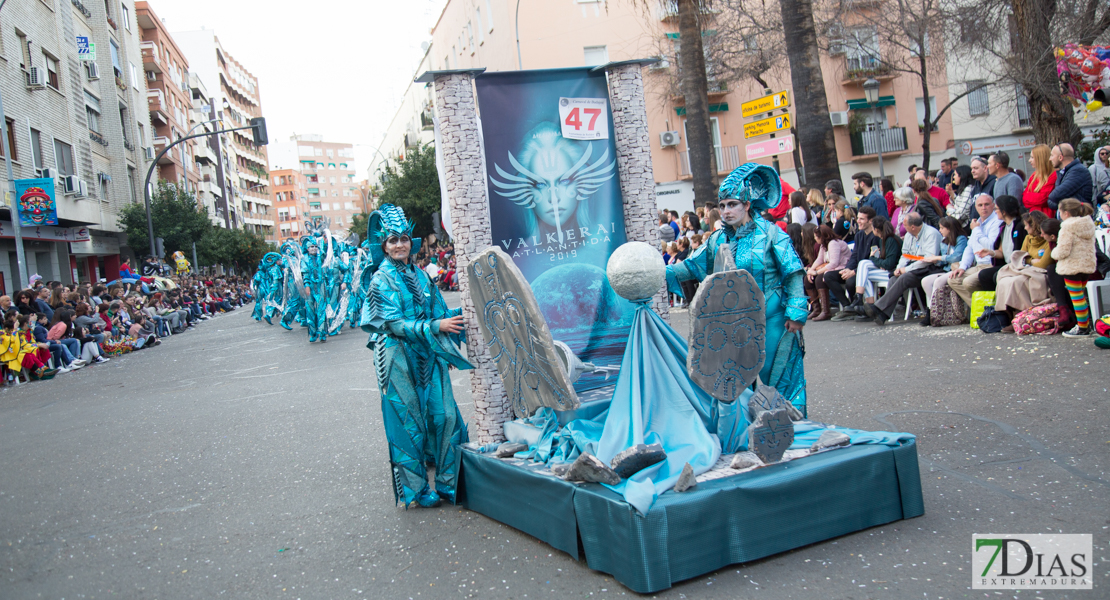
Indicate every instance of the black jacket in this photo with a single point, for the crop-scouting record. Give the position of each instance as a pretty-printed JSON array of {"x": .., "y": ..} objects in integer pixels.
[
  {"x": 1018, "y": 234},
  {"x": 862, "y": 249}
]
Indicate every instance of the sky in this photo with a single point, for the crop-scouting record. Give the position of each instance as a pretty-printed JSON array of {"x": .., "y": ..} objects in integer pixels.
[{"x": 338, "y": 68}]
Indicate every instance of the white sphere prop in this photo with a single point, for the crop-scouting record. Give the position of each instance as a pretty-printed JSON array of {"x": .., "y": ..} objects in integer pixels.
[{"x": 636, "y": 271}]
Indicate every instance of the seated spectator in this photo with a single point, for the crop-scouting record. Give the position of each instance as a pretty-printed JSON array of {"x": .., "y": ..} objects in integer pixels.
[
  {"x": 800, "y": 211},
  {"x": 696, "y": 241},
  {"x": 91, "y": 324},
  {"x": 666, "y": 232},
  {"x": 1018, "y": 288},
  {"x": 843, "y": 282},
  {"x": 926, "y": 204},
  {"x": 19, "y": 354},
  {"x": 1010, "y": 238},
  {"x": 935, "y": 192},
  {"x": 922, "y": 243},
  {"x": 832, "y": 256},
  {"x": 67, "y": 351},
  {"x": 434, "y": 270},
  {"x": 1075, "y": 260},
  {"x": 978, "y": 256},
  {"x": 25, "y": 302},
  {"x": 879, "y": 266}
]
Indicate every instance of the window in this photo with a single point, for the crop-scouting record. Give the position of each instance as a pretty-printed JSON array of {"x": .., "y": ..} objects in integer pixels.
[
  {"x": 131, "y": 183},
  {"x": 142, "y": 135},
  {"x": 978, "y": 104},
  {"x": 1024, "y": 118},
  {"x": 63, "y": 158},
  {"x": 596, "y": 55},
  {"x": 861, "y": 49},
  {"x": 24, "y": 50},
  {"x": 123, "y": 121},
  {"x": 447, "y": 63},
  {"x": 454, "y": 59},
  {"x": 125, "y": 16},
  {"x": 92, "y": 112},
  {"x": 331, "y": 154},
  {"x": 470, "y": 35},
  {"x": 134, "y": 75},
  {"x": 478, "y": 20},
  {"x": 332, "y": 180},
  {"x": 115, "y": 58},
  {"x": 335, "y": 193},
  {"x": 349, "y": 205},
  {"x": 489, "y": 16},
  {"x": 921, "y": 112},
  {"x": 913, "y": 45},
  {"x": 51, "y": 70},
  {"x": 10, "y": 124},
  {"x": 36, "y": 151}
]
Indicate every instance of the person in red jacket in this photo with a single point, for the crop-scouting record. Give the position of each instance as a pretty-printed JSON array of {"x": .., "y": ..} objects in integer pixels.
[{"x": 1041, "y": 182}]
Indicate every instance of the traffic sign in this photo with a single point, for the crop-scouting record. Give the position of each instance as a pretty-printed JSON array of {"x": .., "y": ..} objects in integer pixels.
[
  {"x": 765, "y": 126},
  {"x": 765, "y": 104},
  {"x": 783, "y": 145}
]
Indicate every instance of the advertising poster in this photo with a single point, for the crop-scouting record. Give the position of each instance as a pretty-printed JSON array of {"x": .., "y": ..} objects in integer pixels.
[
  {"x": 555, "y": 201},
  {"x": 35, "y": 199}
]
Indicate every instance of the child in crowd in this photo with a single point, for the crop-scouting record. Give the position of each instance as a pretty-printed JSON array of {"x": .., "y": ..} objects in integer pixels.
[{"x": 1075, "y": 260}]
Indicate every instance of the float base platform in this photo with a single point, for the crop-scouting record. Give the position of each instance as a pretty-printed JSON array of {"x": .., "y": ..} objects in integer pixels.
[{"x": 724, "y": 520}]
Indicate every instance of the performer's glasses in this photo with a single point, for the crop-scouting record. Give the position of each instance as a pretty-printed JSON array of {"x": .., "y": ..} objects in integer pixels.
[{"x": 398, "y": 240}]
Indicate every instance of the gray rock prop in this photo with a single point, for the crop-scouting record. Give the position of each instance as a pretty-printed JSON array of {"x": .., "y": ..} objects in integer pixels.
[
  {"x": 636, "y": 271},
  {"x": 517, "y": 335},
  {"x": 745, "y": 460},
  {"x": 560, "y": 469},
  {"x": 686, "y": 479},
  {"x": 590, "y": 469},
  {"x": 771, "y": 434},
  {"x": 830, "y": 439},
  {"x": 768, "y": 398},
  {"x": 637, "y": 458},
  {"x": 728, "y": 328},
  {"x": 508, "y": 449}
]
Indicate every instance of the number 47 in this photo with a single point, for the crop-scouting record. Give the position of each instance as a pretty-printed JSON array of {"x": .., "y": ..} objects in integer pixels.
[{"x": 575, "y": 120}]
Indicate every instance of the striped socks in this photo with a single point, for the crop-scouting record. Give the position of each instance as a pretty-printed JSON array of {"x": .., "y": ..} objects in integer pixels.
[{"x": 1077, "y": 291}]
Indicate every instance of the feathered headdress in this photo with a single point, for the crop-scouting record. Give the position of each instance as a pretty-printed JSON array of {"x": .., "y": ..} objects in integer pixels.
[
  {"x": 387, "y": 221},
  {"x": 755, "y": 183}
]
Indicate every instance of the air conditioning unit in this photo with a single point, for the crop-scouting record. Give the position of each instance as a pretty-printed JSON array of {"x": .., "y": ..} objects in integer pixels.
[
  {"x": 92, "y": 70},
  {"x": 70, "y": 183},
  {"x": 82, "y": 189},
  {"x": 149, "y": 153},
  {"x": 836, "y": 47},
  {"x": 839, "y": 118},
  {"x": 185, "y": 83},
  {"x": 34, "y": 79},
  {"x": 668, "y": 138},
  {"x": 49, "y": 174},
  {"x": 151, "y": 75}
]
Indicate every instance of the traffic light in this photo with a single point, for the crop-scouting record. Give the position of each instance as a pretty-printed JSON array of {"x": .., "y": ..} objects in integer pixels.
[{"x": 258, "y": 127}]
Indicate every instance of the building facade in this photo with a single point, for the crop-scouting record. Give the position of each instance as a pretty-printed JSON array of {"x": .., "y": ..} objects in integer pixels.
[
  {"x": 169, "y": 99},
  {"x": 290, "y": 203},
  {"x": 329, "y": 175},
  {"x": 234, "y": 98},
  {"x": 80, "y": 119}
]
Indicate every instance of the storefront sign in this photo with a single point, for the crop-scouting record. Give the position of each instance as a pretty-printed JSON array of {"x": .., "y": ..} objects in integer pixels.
[
  {"x": 99, "y": 245},
  {"x": 46, "y": 233}
]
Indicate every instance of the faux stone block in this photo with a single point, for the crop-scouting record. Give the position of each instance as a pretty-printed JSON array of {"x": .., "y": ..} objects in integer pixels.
[
  {"x": 745, "y": 460},
  {"x": 686, "y": 479},
  {"x": 771, "y": 434},
  {"x": 636, "y": 459},
  {"x": 590, "y": 469},
  {"x": 508, "y": 449},
  {"x": 830, "y": 439}
]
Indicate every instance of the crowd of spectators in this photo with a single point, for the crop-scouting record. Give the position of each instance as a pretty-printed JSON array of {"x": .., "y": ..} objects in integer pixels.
[
  {"x": 437, "y": 259},
  {"x": 986, "y": 226},
  {"x": 51, "y": 328}
]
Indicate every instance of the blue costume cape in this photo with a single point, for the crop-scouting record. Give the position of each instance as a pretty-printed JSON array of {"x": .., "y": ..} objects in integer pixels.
[{"x": 315, "y": 305}]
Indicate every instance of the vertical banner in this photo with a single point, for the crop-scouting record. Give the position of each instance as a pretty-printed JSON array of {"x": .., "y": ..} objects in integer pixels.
[
  {"x": 35, "y": 199},
  {"x": 555, "y": 201}
]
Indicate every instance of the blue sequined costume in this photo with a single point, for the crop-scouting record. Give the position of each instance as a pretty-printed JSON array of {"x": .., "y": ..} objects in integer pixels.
[
  {"x": 274, "y": 281},
  {"x": 294, "y": 304},
  {"x": 762, "y": 249},
  {"x": 422, "y": 422},
  {"x": 315, "y": 305}
]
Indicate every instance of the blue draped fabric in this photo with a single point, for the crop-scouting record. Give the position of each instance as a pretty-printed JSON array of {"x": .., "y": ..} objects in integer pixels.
[{"x": 315, "y": 305}]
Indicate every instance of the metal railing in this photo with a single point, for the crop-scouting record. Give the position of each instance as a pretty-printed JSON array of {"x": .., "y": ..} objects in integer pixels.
[
  {"x": 728, "y": 158},
  {"x": 886, "y": 140}
]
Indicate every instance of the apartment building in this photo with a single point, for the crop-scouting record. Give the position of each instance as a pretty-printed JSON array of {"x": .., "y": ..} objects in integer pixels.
[
  {"x": 169, "y": 99},
  {"x": 329, "y": 175},
  {"x": 290, "y": 202},
  {"x": 211, "y": 191},
  {"x": 235, "y": 99},
  {"x": 483, "y": 34},
  {"x": 80, "y": 119}
]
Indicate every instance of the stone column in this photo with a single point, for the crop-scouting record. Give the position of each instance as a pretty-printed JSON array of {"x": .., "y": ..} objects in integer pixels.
[
  {"x": 466, "y": 191},
  {"x": 641, "y": 215}
]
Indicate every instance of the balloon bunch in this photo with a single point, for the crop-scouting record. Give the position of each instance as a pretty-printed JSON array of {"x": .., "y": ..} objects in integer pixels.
[{"x": 1084, "y": 73}]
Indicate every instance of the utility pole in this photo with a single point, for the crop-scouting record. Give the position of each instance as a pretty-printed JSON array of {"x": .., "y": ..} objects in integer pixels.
[{"x": 13, "y": 209}]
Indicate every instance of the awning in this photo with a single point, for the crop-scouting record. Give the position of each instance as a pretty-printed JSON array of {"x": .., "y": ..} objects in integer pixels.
[
  {"x": 861, "y": 103},
  {"x": 722, "y": 107}
]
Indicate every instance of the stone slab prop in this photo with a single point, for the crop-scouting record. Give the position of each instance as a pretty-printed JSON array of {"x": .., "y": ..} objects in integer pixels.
[
  {"x": 771, "y": 434},
  {"x": 745, "y": 460},
  {"x": 830, "y": 439},
  {"x": 517, "y": 335},
  {"x": 769, "y": 398},
  {"x": 728, "y": 334},
  {"x": 508, "y": 449},
  {"x": 590, "y": 469},
  {"x": 637, "y": 458},
  {"x": 686, "y": 479}
]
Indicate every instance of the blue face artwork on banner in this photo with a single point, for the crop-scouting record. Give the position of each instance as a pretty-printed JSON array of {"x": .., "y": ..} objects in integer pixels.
[
  {"x": 555, "y": 201},
  {"x": 36, "y": 203}
]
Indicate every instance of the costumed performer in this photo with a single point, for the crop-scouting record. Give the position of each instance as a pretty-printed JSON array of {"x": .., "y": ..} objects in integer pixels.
[
  {"x": 258, "y": 285},
  {"x": 413, "y": 335},
  {"x": 315, "y": 304},
  {"x": 762, "y": 249},
  {"x": 291, "y": 264}
]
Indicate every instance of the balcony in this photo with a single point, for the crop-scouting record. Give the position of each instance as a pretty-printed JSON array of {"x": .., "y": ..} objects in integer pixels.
[
  {"x": 151, "y": 61},
  {"x": 861, "y": 68},
  {"x": 155, "y": 100},
  {"x": 728, "y": 158},
  {"x": 868, "y": 143},
  {"x": 203, "y": 154}
]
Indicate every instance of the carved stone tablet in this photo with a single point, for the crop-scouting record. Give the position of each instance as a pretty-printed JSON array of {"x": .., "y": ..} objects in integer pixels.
[
  {"x": 728, "y": 334},
  {"x": 770, "y": 435},
  {"x": 768, "y": 398},
  {"x": 517, "y": 335}
]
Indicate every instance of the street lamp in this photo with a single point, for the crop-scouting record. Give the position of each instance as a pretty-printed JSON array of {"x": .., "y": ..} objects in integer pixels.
[{"x": 871, "y": 92}]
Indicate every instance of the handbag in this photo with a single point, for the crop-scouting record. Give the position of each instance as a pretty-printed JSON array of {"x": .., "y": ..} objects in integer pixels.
[
  {"x": 992, "y": 321},
  {"x": 948, "y": 308}
]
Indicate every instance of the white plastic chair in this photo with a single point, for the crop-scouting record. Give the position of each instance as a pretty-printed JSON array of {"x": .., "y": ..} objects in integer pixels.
[
  {"x": 1099, "y": 291},
  {"x": 912, "y": 292}
]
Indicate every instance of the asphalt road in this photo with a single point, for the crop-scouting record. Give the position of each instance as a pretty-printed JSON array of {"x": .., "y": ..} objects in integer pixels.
[{"x": 239, "y": 461}]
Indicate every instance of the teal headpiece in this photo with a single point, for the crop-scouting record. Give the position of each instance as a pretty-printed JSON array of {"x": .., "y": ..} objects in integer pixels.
[
  {"x": 384, "y": 222},
  {"x": 755, "y": 183},
  {"x": 270, "y": 259}
]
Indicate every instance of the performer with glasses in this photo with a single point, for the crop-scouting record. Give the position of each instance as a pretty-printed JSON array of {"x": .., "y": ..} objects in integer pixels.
[{"x": 413, "y": 335}]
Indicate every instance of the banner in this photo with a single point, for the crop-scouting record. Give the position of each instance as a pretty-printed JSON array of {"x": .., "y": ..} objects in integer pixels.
[
  {"x": 35, "y": 201},
  {"x": 555, "y": 201}
]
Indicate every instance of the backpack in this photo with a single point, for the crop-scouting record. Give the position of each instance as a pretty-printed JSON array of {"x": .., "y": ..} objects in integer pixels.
[
  {"x": 993, "y": 321},
  {"x": 1102, "y": 326},
  {"x": 1040, "y": 320}
]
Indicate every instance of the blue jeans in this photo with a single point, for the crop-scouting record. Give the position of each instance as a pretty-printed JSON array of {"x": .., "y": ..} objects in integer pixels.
[
  {"x": 73, "y": 346},
  {"x": 62, "y": 356}
]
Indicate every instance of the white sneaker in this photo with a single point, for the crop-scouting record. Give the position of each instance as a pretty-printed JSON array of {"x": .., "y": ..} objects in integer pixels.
[
  {"x": 102, "y": 359},
  {"x": 77, "y": 363},
  {"x": 1078, "y": 331},
  {"x": 64, "y": 370}
]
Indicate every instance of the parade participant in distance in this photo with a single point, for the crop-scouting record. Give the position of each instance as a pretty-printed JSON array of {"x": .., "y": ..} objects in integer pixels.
[
  {"x": 413, "y": 336},
  {"x": 315, "y": 303}
]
